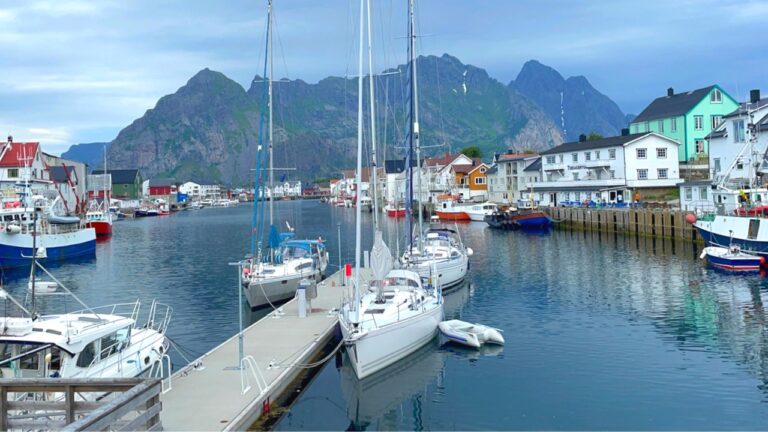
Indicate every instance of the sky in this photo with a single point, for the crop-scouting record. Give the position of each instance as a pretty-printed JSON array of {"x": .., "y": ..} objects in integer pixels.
[{"x": 75, "y": 71}]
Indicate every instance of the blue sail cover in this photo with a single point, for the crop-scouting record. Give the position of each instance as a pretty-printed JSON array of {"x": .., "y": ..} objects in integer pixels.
[{"x": 274, "y": 237}]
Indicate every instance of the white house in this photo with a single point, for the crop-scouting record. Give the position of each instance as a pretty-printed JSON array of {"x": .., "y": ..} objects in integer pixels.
[
  {"x": 438, "y": 170},
  {"x": 511, "y": 181},
  {"x": 610, "y": 170},
  {"x": 191, "y": 189}
]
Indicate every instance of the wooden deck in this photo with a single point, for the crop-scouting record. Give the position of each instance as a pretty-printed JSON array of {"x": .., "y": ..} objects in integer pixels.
[{"x": 211, "y": 397}]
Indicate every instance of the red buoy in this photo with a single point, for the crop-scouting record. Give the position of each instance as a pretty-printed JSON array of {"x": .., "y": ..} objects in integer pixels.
[{"x": 690, "y": 218}]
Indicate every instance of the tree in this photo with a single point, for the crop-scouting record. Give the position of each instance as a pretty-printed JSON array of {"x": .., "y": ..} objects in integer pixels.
[
  {"x": 594, "y": 136},
  {"x": 472, "y": 152}
]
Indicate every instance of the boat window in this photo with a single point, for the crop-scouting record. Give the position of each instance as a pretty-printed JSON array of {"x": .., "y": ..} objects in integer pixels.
[
  {"x": 303, "y": 266},
  {"x": 395, "y": 281},
  {"x": 123, "y": 337},
  {"x": 109, "y": 344},
  {"x": 754, "y": 227},
  {"x": 290, "y": 252},
  {"x": 87, "y": 355}
]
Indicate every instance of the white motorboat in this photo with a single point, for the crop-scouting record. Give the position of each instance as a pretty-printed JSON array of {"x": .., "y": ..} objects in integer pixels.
[
  {"x": 442, "y": 255},
  {"x": 732, "y": 258},
  {"x": 472, "y": 335},
  {"x": 478, "y": 212}
]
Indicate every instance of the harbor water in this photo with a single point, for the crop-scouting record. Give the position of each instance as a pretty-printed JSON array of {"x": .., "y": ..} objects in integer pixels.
[{"x": 602, "y": 331}]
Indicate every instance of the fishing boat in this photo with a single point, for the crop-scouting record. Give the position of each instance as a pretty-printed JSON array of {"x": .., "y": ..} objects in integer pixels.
[
  {"x": 478, "y": 212},
  {"x": 272, "y": 271},
  {"x": 99, "y": 217},
  {"x": 518, "y": 219},
  {"x": 449, "y": 208},
  {"x": 471, "y": 335},
  {"x": 395, "y": 314},
  {"x": 395, "y": 210},
  {"x": 732, "y": 259}
]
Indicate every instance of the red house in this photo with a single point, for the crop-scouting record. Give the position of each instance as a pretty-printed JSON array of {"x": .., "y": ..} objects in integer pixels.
[{"x": 161, "y": 187}]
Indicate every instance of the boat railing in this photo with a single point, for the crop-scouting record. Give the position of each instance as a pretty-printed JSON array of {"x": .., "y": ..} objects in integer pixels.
[{"x": 159, "y": 317}]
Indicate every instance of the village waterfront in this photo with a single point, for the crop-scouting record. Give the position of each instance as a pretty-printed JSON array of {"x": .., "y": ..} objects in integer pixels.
[{"x": 602, "y": 331}]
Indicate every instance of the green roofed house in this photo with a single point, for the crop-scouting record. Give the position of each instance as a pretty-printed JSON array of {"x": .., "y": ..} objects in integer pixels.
[
  {"x": 686, "y": 118},
  {"x": 126, "y": 183}
]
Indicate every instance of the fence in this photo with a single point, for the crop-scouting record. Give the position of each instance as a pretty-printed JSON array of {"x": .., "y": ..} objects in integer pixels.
[{"x": 74, "y": 404}]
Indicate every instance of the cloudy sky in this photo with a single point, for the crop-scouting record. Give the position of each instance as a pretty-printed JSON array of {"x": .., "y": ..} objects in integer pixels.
[{"x": 79, "y": 71}]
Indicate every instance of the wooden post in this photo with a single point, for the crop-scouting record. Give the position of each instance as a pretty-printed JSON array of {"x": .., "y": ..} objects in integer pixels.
[
  {"x": 69, "y": 399},
  {"x": 3, "y": 408}
]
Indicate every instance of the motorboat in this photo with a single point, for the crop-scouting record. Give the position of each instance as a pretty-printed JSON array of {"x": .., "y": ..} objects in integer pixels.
[
  {"x": 471, "y": 335},
  {"x": 450, "y": 209},
  {"x": 100, "y": 221},
  {"x": 478, "y": 212},
  {"x": 273, "y": 280},
  {"x": 518, "y": 219},
  {"x": 732, "y": 259},
  {"x": 395, "y": 210},
  {"x": 441, "y": 255}
]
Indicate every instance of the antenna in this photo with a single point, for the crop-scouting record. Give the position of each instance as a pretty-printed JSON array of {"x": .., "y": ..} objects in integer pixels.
[{"x": 562, "y": 116}]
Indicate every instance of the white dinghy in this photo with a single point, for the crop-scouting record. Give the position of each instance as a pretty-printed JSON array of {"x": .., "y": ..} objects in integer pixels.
[{"x": 472, "y": 335}]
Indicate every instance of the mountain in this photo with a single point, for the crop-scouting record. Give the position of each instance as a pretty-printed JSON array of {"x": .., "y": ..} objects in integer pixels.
[
  {"x": 208, "y": 130},
  {"x": 585, "y": 109},
  {"x": 91, "y": 154}
]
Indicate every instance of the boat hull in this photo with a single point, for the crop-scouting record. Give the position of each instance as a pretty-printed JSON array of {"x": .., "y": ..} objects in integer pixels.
[
  {"x": 384, "y": 346},
  {"x": 453, "y": 216},
  {"x": 102, "y": 229},
  {"x": 527, "y": 220},
  {"x": 260, "y": 294},
  {"x": 396, "y": 213},
  {"x": 450, "y": 273},
  {"x": 737, "y": 265},
  {"x": 16, "y": 248},
  {"x": 718, "y": 233}
]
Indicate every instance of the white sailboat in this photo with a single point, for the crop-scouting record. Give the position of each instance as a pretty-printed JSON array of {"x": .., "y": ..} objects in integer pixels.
[
  {"x": 434, "y": 253},
  {"x": 393, "y": 315},
  {"x": 272, "y": 276}
]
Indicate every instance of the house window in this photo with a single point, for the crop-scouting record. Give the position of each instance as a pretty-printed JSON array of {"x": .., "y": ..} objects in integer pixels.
[
  {"x": 703, "y": 193},
  {"x": 549, "y": 177},
  {"x": 716, "y": 96},
  {"x": 612, "y": 154},
  {"x": 698, "y": 122},
  {"x": 661, "y": 126},
  {"x": 561, "y": 158},
  {"x": 479, "y": 180},
  {"x": 587, "y": 156},
  {"x": 699, "y": 146},
  {"x": 647, "y": 127},
  {"x": 613, "y": 174},
  {"x": 673, "y": 124},
  {"x": 550, "y": 159},
  {"x": 738, "y": 131},
  {"x": 716, "y": 119},
  {"x": 642, "y": 174},
  {"x": 717, "y": 165},
  {"x": 597, "y": 155},
  {"x": 642, "y": 153},
  {"x": 739, "y": 164},
  {"x": 13, "y": 172},
  {"x": 662, "y": 173},
  {"x": 575, "y": 157},
  {"x": 661, "y": 153},
  {"x": 688, "y": 193},
  {"x": 575, "y": 176}
]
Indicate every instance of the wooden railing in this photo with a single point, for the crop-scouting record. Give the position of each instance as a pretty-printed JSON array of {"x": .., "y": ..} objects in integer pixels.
[{"x": 136, "y": 406}]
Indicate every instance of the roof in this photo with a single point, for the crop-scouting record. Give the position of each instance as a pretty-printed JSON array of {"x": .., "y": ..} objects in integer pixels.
[
  {"x": 365, "y": 174},
  {"x": 515, "y": 156},
  {"x": 478, "y": 166},
  {"x": 492, "y": 170},
  {"x": 120, "y": 176},
  {"x": 743, "y": 108},
  {"x": 398, "y": 166},
  {"x": 58, "y": 175},
  {"x": 14, "y": 155},
  {"x": 535, "y": 166},
  {"x": 717, "y": 133},
  {"x": 462, "y": 169},
  {"x": 442, "y": 160},
  {"x": 672, "y": 106},
  {"x": 161, "y": 182},
  {"x": 614, "y": 141}
]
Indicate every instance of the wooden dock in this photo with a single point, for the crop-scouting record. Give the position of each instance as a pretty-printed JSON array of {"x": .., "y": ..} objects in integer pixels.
[
  {"x": 646, "y": 222},
  {"x": 221, "y": 396}
]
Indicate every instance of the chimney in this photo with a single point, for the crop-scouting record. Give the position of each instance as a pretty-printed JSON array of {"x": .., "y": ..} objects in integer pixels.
[
  {"x": 625, "y": 132},
  {"x": 754, "y": 95},
  {"x": 670, "y": 92},
  {"x": 582, "y": 138}
]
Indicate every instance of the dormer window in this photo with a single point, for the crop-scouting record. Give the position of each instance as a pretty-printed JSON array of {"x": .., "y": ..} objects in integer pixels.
[{"x": 716, "y": 96}]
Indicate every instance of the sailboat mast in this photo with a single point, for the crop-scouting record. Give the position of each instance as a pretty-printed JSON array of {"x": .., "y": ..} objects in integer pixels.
[
  {"x": 358, "y": 177},
  {"x": 374, "y": 164},
  {"x": 271, "y": 131},
  {"x": 415, "y": 110},
  {"x": 104, "y": 202}
]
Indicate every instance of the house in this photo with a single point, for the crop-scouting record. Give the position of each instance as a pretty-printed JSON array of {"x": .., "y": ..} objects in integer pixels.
[
  {"x": 441, "y": 178},
  {"x": 20, "y": 162},
  {"x": 126, "y": 183},
  {"x": 477, "y": 182},
  {"x": 511, "y": 175},
  {"x": 740, "y": 141},
  {"x": 696, "y": 195},
  {"x": 161, "y": 187},
  {"x": 70, "y": 182},
  {"x": 611, "y": 170},
  {"x": 686, "y": 117},
  {"x": 191, "y": 189}
]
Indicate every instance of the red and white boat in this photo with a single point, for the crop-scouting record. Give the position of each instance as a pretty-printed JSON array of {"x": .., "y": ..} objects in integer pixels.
[
  {"x": 395, "y": 210},
  {"x": 100, "y": 221},
  {"x": 448, "y": 208}
]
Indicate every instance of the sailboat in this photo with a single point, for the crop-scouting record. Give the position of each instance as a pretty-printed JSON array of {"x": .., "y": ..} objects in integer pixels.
[
  {"x": 394, "y": 314},
  {"x": 100, "y": 218},
  {"x": 273, "y": 271},
  {"x": 435, "y": 252}
]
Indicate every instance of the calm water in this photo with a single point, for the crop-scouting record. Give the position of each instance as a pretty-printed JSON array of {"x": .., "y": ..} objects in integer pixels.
[{"x": 602, "y": 332}]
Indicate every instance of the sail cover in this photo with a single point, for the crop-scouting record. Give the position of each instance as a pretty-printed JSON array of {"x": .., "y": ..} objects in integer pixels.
[{"x": 381, "y": 257}]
